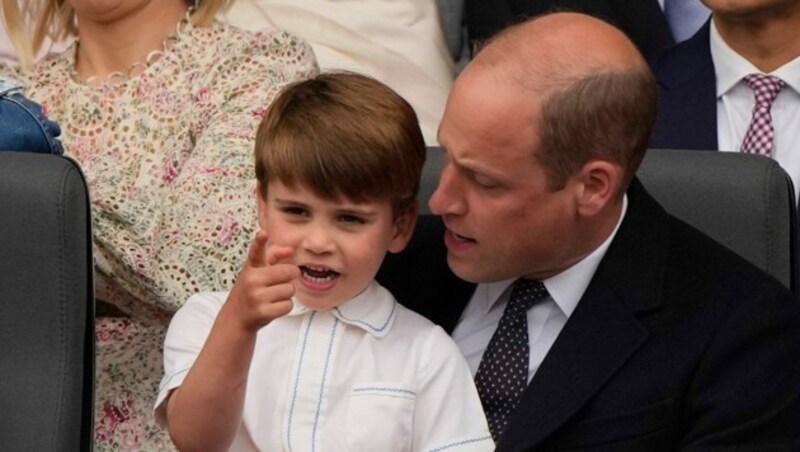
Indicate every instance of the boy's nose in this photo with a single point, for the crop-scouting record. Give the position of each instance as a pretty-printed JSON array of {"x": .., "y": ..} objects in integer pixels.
[{"x": 319, "y": 240}]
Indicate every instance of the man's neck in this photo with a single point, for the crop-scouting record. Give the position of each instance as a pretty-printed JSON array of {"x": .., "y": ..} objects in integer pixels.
[
  {"x": 590, "y": 236},
  {"x": 768, "y": 42},
  {"x": 116, "y": 45}
]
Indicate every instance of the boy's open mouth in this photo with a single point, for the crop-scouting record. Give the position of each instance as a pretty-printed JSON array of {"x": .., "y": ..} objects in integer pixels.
[{"x": 318, "y": 274}]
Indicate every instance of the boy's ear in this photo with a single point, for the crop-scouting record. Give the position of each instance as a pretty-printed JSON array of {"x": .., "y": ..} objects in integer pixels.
[
  {"x": 403, "y": 229},
  {"x": 261, "y": 203}
]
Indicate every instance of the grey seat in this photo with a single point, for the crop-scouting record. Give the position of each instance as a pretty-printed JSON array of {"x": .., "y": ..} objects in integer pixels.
[
  {"x": 746, "y": 202},
  {"x": 46, "y": 305},
  {"x": 743, "y": 201}
]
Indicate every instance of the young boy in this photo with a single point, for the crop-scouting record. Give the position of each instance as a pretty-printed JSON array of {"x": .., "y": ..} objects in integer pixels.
[{"x": 307, "y": 351}]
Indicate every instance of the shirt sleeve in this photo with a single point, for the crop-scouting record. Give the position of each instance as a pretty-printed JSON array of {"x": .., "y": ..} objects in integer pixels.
[
  {"x": 185, "y": 338},
  {"x": 448, "y": 414}
]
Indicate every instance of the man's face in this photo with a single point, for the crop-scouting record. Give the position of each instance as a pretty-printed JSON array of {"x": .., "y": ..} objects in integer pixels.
[
  {"x": 502, "y": 221},
  {"x": 742, "y": 10}
]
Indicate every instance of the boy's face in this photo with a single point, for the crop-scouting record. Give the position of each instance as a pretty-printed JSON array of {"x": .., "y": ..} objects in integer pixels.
[{"x": 338, "y": 245}]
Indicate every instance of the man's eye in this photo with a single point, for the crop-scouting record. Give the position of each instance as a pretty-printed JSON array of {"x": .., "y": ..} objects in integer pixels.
[
  {"x": 483, "y": 181},
  {"x": 351, "y": 219}
]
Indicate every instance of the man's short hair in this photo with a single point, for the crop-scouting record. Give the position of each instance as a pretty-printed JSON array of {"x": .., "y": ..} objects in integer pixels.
[
  {"x": 607, "y": 115},
  {"x": 588, "y": 110},
  {"x": 342, "y": 135}
]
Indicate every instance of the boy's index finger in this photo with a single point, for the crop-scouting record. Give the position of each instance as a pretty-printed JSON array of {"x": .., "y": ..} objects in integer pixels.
[
  {"x": 277, "y": 253},
  {"x": 257, "y": 256}
]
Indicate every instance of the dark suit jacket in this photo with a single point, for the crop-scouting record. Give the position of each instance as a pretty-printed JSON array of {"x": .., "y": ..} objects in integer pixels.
[
  {"x": 687, "y": 110},
  {"x": 677, "y": 343},
  {"x": 642, "y": 20}
]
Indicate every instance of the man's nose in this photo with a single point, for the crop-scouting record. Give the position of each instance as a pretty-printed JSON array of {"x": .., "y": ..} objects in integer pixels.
[{"x": 448, "y": 196}]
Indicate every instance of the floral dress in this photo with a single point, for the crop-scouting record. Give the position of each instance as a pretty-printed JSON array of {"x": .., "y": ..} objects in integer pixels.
[{"x": 168, "y": 156}]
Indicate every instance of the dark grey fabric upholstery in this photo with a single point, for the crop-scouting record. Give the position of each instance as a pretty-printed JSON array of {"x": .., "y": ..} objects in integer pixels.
[
  {"x": 46, "y": 305},
  {"x": 745, "y": 202}
]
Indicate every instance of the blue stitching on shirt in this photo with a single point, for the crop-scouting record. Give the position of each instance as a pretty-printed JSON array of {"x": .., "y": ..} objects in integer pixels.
[
  {"x": 296, "y": 379},
  {"x": 322, "y": 386},
  {"x": 461, "y": 443},
  {"x": 405, "y": 391},
  {"x": 388, "y": 319}
]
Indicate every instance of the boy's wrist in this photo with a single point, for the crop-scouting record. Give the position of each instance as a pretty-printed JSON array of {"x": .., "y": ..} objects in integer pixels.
[{"x": 236, "y": 325}]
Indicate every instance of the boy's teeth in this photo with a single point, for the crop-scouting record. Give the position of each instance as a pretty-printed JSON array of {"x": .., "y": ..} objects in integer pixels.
[
  {"x": 318, "y": 274},
  {"x": 318, "y": 280}
]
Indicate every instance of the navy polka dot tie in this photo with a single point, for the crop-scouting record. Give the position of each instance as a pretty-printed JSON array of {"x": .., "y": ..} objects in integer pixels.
[{"x": 503, "y": 372}]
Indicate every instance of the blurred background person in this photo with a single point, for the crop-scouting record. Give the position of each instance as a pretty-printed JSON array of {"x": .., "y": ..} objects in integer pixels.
[
  {"x": 400, "y": 42},
  {"x": 735, "y": 85},
  {"x": 653, "y": 25},
  {"x": 158, "y": 102}
]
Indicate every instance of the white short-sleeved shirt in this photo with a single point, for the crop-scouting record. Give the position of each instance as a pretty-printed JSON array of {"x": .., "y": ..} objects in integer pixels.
[{"x": 368, "y": 375}]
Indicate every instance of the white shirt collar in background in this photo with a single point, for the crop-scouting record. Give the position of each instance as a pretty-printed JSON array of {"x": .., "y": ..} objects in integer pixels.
[{"x": 735, "y": 102}]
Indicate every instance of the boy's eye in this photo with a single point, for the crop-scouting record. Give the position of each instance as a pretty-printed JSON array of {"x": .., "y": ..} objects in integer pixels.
[
  {"x": 351, "y": 219},
  {"x": 295, "y": 211}
]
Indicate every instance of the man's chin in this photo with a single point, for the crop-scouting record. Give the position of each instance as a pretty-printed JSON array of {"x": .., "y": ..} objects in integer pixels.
[
  {"x": 464, "y": 270},
  {"x": 477, "y": 271}
]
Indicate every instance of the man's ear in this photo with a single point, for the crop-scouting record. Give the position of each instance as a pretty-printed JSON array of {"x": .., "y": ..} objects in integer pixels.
[
  {"x": 599, "y": 183},
  {"x": 261, "y": 204},
  {"x": 403, "y": 229}
]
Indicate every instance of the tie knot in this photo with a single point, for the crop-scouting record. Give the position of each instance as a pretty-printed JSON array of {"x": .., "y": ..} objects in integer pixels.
[
  {"x": 765, "y": 87},
  {"x": 526, "y": 293}
]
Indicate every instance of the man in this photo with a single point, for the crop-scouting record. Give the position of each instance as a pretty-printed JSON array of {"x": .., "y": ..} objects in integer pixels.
[
  {"x": 645, "y": 335},
  {"x": 706, "y": 101},
  {"x": 652, "y": 25}
]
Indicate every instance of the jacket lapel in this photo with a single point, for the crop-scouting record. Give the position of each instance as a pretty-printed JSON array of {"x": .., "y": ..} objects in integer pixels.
[
  {"x": 603, "y": 332},
  {"x": 687, "y": 114},
  {"x": 644, "y": 22}
]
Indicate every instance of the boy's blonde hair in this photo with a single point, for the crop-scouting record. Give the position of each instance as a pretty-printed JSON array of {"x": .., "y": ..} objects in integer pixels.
[
  {"x": 342, "y": 135},
  {"x": 28, "y": 26}
]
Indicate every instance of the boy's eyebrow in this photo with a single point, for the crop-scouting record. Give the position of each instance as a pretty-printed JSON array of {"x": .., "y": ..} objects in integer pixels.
[
  {"x": 355, "y": 210},
  {"x": 347, "y": 209},
  {"x": 290, "y": 201}
]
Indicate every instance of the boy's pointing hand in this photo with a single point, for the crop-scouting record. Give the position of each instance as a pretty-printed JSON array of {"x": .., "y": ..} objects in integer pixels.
[{"x": 264, "y": 288}]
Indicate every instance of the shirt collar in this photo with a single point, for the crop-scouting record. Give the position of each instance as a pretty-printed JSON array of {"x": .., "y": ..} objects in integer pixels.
[
  {"x": 567, "y": 287},
  {"x": 790, "y": 74},
  {"x": 731, "y": 68},
  {"x": 373, "y": 310}
]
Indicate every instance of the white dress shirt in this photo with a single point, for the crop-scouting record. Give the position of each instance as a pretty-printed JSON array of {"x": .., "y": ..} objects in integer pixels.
[
  {"x": 735, "y": 102},
  {"x": 545, "y": 319},
  {"x": 368, "y": 375}
]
